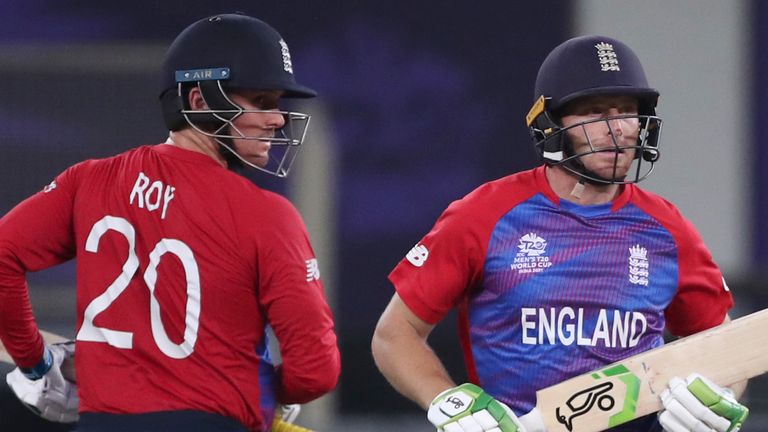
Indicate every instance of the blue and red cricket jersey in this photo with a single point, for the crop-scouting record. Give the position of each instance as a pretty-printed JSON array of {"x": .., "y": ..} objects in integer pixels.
[{"x": 548, "y": 289}]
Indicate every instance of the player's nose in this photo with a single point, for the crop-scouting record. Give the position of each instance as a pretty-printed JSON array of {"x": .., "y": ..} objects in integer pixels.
[
  {"x": 616, "y": 125},
  {"x": 275, "y": 119}
]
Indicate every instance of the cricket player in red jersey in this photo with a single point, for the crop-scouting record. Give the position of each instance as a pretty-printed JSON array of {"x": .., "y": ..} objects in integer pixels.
[{"x": 181, "y": 263}]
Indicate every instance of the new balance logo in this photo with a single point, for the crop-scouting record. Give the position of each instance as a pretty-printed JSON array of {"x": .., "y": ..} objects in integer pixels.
[
  {"x": 50, "y": 187},
  {"x": 418, "y": 255},
  {"x": 313, "y": 270}
]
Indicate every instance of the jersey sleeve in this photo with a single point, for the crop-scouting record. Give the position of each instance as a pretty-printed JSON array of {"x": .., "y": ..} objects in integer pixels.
[
  {"x": 36, "y": 234},
  {"x": 703, "y": 299},
  {"x": 437, "y": 273},
  {"x": 291, "y": 293}
]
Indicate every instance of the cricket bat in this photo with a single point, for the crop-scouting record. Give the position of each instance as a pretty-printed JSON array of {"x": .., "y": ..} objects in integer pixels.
[
  {"x": 48, "y": 337},
  {"x": 595, "y": 401}
]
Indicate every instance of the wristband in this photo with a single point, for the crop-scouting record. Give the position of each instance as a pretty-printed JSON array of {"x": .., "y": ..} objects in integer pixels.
[{"x": 41, "y": 368}]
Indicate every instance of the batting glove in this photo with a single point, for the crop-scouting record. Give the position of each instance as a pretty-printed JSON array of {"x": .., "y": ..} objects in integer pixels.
[
  {"x": 699, "y": 405},
  {"x": 289, "y": 412},
  {"x": 44, "y": 390},
  {"x": 467, "y": 408},
  {"x": 284, "y": 418}
]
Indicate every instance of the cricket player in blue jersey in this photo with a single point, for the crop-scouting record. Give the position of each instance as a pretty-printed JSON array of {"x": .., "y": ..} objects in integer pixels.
[{"x": 562, "y": 269}]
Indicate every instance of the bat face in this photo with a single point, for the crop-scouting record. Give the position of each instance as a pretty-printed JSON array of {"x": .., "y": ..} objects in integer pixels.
[
  {"x": 583, "y": 401},
  {"x": 631, "y": 388},
  {"x": 614, "y": 392}
]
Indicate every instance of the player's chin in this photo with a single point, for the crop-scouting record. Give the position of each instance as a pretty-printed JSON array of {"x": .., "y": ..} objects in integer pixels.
[
  {"x": 607, "y": 161},
  {"x": 618, "y": 174},
  {"x": 259, "y": 160},
  {"x": 609, "y": 167}
]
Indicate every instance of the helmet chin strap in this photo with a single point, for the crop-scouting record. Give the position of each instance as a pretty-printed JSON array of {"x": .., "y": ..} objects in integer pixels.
[
  {"x": 583, "y": 179},
  {"x": 578, "y": 189}
]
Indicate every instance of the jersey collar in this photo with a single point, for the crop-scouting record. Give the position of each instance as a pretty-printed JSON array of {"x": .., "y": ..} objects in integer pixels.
[
  {"x": 169, "y": 149},
  {"x": 595, "y": 210}
]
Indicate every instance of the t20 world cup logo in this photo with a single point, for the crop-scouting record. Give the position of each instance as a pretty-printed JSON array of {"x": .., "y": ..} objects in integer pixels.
[{"x": 532, "y": 245}]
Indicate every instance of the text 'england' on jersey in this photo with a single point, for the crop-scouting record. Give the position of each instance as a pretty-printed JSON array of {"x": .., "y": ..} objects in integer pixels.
[{"x": 573, "y": 287}]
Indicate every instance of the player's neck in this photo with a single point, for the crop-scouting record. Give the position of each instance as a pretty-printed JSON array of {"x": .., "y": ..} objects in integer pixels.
[
  {"x": 566, "y": 185},
  {"x": 189, "y": 139}
]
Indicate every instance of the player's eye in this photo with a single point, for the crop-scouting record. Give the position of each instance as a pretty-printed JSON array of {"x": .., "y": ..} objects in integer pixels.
[
  {"x": 257, "y": 102},
  {"x": 593, "y": 110},
  {"x": 264, "y": 102},
  {"x": 628, "y": 109}
]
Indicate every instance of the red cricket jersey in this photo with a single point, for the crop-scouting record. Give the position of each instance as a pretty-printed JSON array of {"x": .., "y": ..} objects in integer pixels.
[{"x": 180, "y": 266}]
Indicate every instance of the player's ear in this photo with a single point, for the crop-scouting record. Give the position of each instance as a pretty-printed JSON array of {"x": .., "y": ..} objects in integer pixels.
[{"x": 195, "y": 99}]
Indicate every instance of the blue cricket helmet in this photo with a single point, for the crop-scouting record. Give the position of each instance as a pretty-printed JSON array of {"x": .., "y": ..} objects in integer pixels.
[
  {"x": 222, "y": 54},
  {"x": 591, "y": 66},
  {"x": 255, "y": 53},
  {"x": 246, "y": 52}
]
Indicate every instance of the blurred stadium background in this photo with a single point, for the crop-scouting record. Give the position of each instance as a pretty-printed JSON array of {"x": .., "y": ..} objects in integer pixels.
[{"x": 419, "y": 104}]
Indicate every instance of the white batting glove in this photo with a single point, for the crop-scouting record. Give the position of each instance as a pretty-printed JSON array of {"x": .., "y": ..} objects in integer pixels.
[
  {"x": 699, "y": 405},
  {"x": 284, "y": 418},
  {"x": 46, "y": 392},
  {"x": 467, "y": 408},
  {"x": 289, "y": 412}
]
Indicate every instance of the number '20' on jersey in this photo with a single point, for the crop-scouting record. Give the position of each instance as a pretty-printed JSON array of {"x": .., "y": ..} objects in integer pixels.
[{"x": 181, "y": 264}]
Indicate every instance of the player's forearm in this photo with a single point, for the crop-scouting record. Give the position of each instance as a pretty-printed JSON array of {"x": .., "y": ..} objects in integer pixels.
[
  {"x": 17, "y": 325},
  {"x": 311, "y": 374},
  {"x": 302, "y": 386},
  {"x": 304, "y": 328},
  {"x": 408, "y": 363},
  {"x": 33, "y": 236}
]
